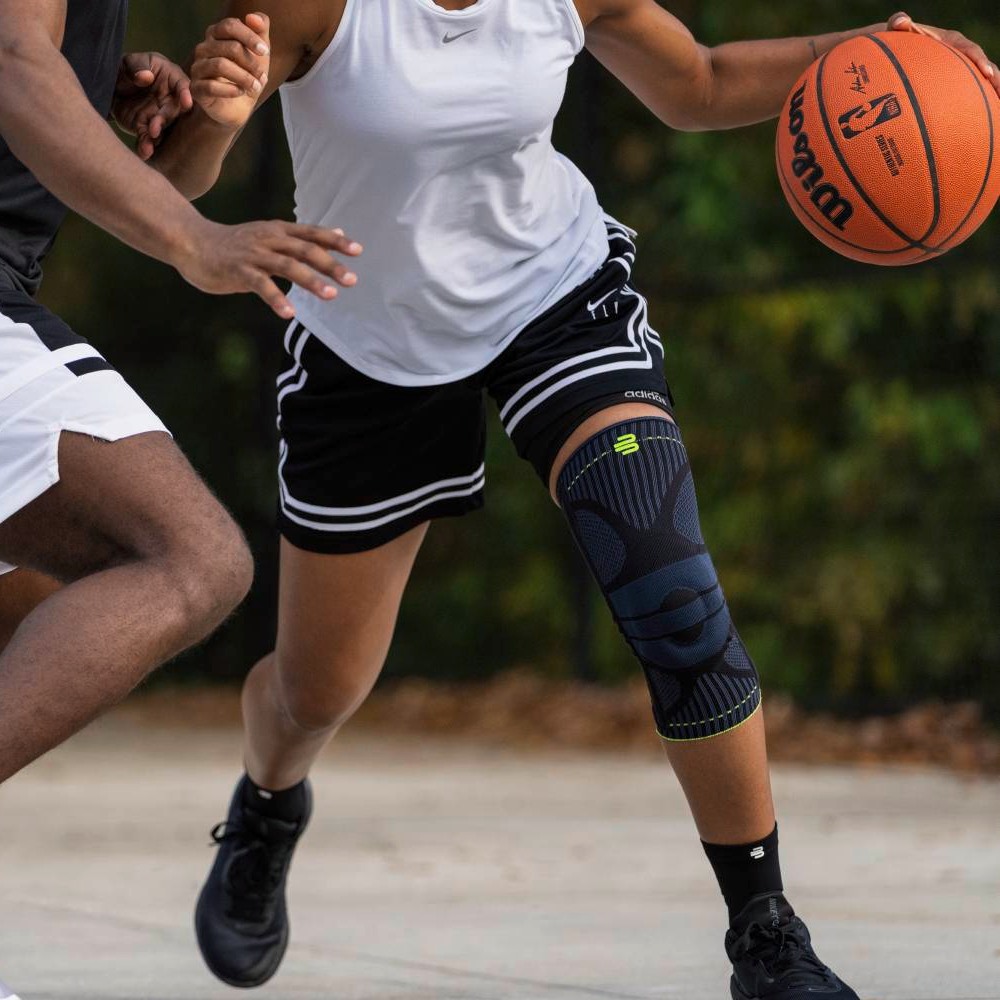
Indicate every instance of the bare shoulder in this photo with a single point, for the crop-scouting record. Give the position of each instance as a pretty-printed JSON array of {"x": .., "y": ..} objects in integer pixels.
[{"x": 592, "y": 10}]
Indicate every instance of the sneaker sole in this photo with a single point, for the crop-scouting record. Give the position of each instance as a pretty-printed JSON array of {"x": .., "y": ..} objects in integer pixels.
[{"x": 244, "y": 984}]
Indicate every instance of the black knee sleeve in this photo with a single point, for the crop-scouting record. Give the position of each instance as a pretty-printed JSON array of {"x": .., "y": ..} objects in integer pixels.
[{"x": 630, "y": 500}]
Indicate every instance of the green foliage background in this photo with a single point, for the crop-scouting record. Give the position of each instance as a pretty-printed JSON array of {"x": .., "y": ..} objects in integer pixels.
[{"x": 844, "y": 420}]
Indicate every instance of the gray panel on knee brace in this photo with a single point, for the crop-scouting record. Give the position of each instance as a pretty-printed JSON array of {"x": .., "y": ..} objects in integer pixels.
[{"x": 630, "y": 499}]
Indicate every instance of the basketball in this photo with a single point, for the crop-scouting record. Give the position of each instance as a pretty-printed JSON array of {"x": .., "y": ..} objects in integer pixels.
[{"x": 888, "y": 148}]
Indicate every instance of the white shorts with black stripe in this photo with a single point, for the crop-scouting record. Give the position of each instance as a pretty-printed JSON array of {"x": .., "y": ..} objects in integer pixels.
[
  {"x": 51, "y": 380},
  {"x": 362, "y": 462}
]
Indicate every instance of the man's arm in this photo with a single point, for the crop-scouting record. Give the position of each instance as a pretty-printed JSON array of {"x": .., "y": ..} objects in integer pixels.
[
  {"x": 52, "y": 128},
  {"x": 242, "y": 61},
  {"x": 692, "y": 87}
]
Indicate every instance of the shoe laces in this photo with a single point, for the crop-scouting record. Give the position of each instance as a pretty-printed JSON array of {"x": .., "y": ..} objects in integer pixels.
[
  {"x": 785, "y": 953},
  {"x": 256, "y": 870}
]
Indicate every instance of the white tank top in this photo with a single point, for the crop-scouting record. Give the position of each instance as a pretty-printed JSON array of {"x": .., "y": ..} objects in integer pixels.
[{"x": 426, "y": 134}]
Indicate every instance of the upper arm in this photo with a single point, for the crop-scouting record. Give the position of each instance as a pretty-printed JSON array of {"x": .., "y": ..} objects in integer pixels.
[
  {"x": 30, "y": 21},
  {"x": 653, "y": 54},
  {"x": 298, "y": 29}
]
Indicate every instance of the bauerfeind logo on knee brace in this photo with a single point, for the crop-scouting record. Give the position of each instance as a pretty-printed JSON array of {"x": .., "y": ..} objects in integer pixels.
[{"x": 627, "y": 444}]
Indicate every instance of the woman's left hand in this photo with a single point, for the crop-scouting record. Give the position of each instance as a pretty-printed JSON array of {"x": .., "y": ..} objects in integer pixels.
[
  {"x": 151, "y": 94},
  {"x": 989, "y": 69}
]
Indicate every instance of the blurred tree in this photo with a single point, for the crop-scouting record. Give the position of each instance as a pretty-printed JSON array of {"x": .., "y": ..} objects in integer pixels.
[{"x": 844, "y": 420}]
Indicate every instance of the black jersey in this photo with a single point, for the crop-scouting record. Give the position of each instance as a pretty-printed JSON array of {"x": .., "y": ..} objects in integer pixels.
[{"x": 30, "y": 216}]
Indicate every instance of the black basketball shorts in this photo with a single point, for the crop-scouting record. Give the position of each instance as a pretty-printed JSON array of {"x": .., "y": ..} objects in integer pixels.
[{"x": 362, "y": 462}]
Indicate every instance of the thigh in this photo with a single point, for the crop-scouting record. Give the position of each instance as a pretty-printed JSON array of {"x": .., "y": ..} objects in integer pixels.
[
  {"x": 134, "y": 498},
  {"x": 21, "y": 591},
  {"x": 337, "y": 612},
  {"x": 89, "y": 475},
  {"x": 363, "y": 462}
]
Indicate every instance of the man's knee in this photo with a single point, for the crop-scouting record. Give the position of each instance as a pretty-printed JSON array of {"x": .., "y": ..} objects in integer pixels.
[
  {"x": 629, "y": 496},
  {"x": 209, "y": 574}
]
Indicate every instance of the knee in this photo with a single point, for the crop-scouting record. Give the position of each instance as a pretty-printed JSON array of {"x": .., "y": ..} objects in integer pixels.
[
  {"x": 630, "y": 499},
  {"x": 324, "y": 699},
  {"x": 211, "y": 577}
]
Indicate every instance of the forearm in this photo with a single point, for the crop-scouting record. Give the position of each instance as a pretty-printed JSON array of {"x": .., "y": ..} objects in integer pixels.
[
  {"x": 752, "y": 80},
  {"x": 192, "y": 155},
  {"x": 53, "y": 129}
]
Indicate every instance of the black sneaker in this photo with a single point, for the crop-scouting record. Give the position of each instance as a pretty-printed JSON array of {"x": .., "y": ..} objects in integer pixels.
[
  {"x": 241, "y": 920},
  {"x": 773, "y": 957}
]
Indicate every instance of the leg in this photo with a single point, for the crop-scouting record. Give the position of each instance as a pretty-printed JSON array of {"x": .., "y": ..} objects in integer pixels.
[
  {"x": 628, "y": 493},
  {"x": 336, "y": 617},
  {"x": 151, "y": 563},
  {"x": 364, "y": 466},
  {"x": 725, "y": 778},
  {"x": 21, "y": 591}
]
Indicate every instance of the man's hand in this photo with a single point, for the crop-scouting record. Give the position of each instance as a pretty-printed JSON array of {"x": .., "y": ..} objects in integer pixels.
[
  {"x": 151, "y": 94},
  {"x": 989, "y": 69},
  {"x": 223, "y": 260},
  {"x": 230, "y": 69}
]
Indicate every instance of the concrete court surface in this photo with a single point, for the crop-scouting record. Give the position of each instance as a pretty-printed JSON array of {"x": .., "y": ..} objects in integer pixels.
[{"x": 444, "y": 871}]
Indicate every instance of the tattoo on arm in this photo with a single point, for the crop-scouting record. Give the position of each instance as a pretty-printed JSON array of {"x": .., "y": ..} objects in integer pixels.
[{"x": 815, "y": 51}]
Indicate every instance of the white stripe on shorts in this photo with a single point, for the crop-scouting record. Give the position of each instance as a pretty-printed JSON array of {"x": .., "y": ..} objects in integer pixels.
[{"x": 340, "y": 519}]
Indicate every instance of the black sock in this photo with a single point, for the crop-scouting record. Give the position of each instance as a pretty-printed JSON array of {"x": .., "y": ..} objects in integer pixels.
[
  {"x": 746, "y": 870},
  {"x": 289, "y": 805}
]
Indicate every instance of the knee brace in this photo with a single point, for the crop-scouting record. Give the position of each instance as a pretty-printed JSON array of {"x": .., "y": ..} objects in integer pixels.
[{"x": 630, "y": 500}]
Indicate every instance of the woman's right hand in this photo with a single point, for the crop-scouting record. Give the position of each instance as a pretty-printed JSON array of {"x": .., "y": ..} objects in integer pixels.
[{"x": 230, "y": 69}]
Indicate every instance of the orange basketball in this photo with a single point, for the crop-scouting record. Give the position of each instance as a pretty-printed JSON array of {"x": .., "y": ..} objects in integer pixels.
[{"x": 889, "y": 148}]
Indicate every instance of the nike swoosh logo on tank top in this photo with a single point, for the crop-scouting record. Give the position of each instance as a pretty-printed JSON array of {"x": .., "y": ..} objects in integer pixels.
[{"x": 448, "y": 39}]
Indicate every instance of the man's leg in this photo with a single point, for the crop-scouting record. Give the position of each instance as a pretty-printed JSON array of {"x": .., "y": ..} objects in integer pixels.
[
  {"x": 336, "y": 618},
  {"x": 624, "y": 482},
  {"x": 152, "y": 564},
  {"x": 21, "y": 591}
]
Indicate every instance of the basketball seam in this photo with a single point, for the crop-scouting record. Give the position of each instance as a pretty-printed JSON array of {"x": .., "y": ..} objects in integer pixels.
[
  {"x": 913, "y": 244},
  {"x": 924, "y": 134},
  {"x": 989, "y": 165},
  {"x": 790, "y": 191}
]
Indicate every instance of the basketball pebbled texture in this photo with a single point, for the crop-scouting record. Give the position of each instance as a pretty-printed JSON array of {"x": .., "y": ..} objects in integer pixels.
[{"x": 889, "y": 148}]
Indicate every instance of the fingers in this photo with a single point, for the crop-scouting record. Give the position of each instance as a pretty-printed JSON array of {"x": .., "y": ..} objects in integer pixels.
[
  {"x": 139, "y": 68},
  {"x": 265, "y": 288},
  {"x": 974, "y": 52},
  {"x": 233, "y": 29},
  {"x": 261, "y": 24},
  {"x": 903, "y": 22},
  {"x": 181, "y": 93},
  {"x": 204, "y": 90},
  {"x": 319, "y": 260},
  {"x": 229, "y": 70},
  {"x": 299, "y": 254},
  {"x": 280, "y": 265},
  {"x": 329, "y": 239}
]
